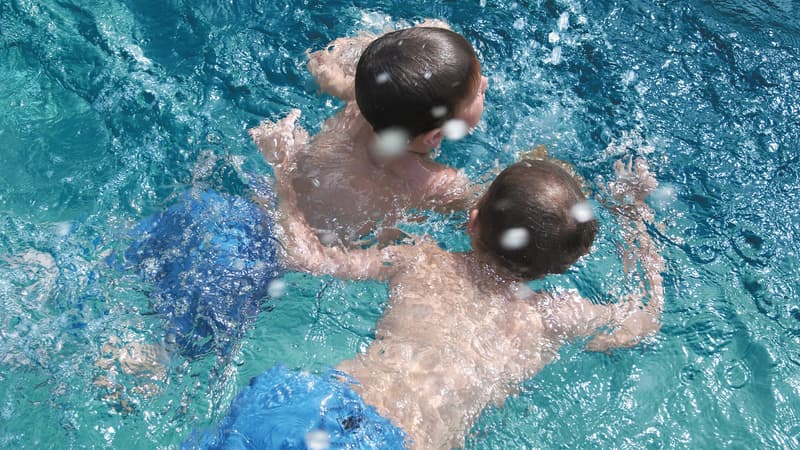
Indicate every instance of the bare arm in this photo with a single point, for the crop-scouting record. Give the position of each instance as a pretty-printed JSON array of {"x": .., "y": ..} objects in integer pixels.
[
  {"x": 334, "y": 67},
  {"x": 280, "y": 142},
  {"x": 631, "y": 319}
]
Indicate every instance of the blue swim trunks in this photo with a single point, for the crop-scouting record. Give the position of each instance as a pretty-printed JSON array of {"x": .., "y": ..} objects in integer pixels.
[
  {"x": 210, "y": 259},
  {"x": 287, "y": 410}
]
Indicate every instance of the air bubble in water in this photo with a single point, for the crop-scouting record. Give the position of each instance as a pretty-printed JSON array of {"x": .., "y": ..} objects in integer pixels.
[
  {"x": 318, "y": 440},
  {"x": 555, "y": 55},
  {"x": 563, "y": 21},
  {"x": 514, "y": 238},
  {"x": 582, "y": 212},
  {"x": 455, "y": 129},
  {"x": 553, "y": 37},
  {"x": 276, "y": 288},
  {"x": 382, "y": 77},
  {"x": 439, "y": 111},
  {"x": 391, "y": 142}
]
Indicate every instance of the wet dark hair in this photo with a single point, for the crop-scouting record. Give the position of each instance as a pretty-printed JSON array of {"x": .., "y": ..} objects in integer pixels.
[
  {"x": 404, "y": 78},
  {"x": 536, "y": 196}
]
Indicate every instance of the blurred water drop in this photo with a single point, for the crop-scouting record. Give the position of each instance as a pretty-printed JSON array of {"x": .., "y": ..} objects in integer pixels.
[
  {"x": 390, "y": 142},
  {"x": 514, "y": 238},
  {"x": 382, "y": 78},
  {"x": 439, "y": 111},
  {"x": 582, "y": 212},
  {"x": 519, "y": 24},
  {"x": 427, "y": 75},
  {"x": 276, "y": 288},
  {"x": 455, "y": 129},
  {"x": 555, "y": 55},
  {"x": 663, "y": 196},
  {"x": 318, "y": 440},
  {"x": 62, "y": 229},
  {"x": 773, "y": 146},
  {"x": 563, "y": 21}
]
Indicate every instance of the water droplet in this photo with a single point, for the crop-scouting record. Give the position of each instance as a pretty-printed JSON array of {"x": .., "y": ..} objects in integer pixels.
[
  {"x": 327, "y": 238},
  {"x": 62, "y": 229},
  {"x": 563, "y": 21},
  {"x": 582, "y": 212},
  {"x": 628, "y": 77},
  {"x": 427, "y": 75},
  {"x": 555, "y": 55},
  {"x": 773, "y": 146},
  {"x": 390, "y": 142},
  {"x": 383, "y": 77},
  {"x": 276, "y": 288},
  {"x": 515, "y": 238},
  {"x": 439, "y": 111},
  {"x": 553, "y": 37},
  {"x": 663, "y": 196},
  {"x": 455, "y": 129},
  {"x": 318, "y": 440}
]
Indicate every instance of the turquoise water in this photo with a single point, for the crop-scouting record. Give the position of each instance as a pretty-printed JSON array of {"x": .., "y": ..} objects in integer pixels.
[{"x": 112, "y": 109}]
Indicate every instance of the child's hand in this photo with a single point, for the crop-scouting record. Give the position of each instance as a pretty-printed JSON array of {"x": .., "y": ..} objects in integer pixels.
[
  {"x": 280, "y": 141},
  {"x": 334, "y": 67},
  {"x": 634, "y": 181}
]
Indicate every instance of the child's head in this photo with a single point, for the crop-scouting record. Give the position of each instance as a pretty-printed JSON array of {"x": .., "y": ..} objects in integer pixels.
[
  {"x": 417, "y": 79},
  {"x": 533, "y": 220}
]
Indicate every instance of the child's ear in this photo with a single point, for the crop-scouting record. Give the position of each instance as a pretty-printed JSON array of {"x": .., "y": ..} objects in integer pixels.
[
  {"x": 433, "y": 138},
  {"x": 472, "y": 223}
]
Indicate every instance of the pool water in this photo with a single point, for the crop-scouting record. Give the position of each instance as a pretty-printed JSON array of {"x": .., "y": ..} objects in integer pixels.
[{"x": 113, "y": 109}]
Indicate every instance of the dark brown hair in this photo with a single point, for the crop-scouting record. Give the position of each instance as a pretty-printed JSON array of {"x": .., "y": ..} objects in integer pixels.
[
  {"x": 536, "y": 199},
  {"x": 415, "y": 79}
]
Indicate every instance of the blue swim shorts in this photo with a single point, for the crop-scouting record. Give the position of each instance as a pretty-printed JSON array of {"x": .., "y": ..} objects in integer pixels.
[
  {"x": 210, "y": 259},
  {"x": 288, "y": 410}
]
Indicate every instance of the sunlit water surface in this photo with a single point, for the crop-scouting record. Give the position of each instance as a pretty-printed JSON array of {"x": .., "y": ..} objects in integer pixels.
[{"x": 112, "y": 109}]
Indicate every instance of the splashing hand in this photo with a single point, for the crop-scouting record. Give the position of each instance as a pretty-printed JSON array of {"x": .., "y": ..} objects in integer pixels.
[
  {"x": 280, "y": 141},
  {"x": 634, "y": 181}
]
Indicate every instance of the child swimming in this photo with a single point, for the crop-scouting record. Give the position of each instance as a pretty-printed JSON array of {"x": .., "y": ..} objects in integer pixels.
[
  {"x": 369, "y": 163},
  {"x": 461, "y": 330}
]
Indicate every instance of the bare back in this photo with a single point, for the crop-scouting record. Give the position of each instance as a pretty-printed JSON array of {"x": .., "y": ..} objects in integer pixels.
[
  {"x": 447, "y": 346},
  {"x": 344, "y": 193}
]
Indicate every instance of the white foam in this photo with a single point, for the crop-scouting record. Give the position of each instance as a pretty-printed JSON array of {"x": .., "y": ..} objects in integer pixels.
[{"x": 553, "y": 37}]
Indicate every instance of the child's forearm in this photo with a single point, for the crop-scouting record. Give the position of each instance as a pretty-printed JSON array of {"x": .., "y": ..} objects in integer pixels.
[
  {"x": 634, "y": 319},
  {"x": 334, "y": 67}
]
